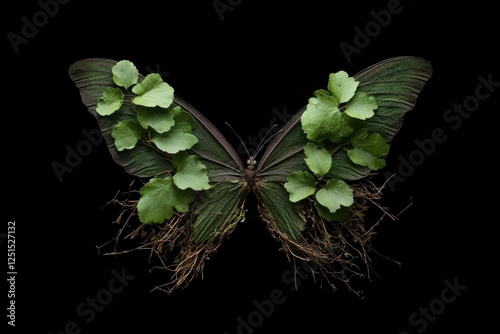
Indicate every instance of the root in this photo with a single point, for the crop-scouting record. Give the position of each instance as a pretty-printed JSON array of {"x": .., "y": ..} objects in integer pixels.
[
  {"x": 172, "y": 243},
  {"x": 338, "y": 251}
]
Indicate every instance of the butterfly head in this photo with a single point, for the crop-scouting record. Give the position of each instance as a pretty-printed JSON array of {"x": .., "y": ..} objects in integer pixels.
[{"x": 251, "y": 163}]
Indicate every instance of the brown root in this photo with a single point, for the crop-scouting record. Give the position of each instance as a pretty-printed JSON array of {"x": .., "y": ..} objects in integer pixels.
[
  {"x": 172, "y": 243},
  {"x": 338, "y": 251}
]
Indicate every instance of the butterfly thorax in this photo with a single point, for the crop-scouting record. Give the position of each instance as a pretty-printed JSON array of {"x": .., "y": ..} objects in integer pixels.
[{"x": 249, "y": 176}]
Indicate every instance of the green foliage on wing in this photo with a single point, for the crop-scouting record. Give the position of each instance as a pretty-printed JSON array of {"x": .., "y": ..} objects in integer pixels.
[
  {"x": 153, "y": 92},
  {"x": 335, "y": 123},
  {"x": 159, "y": 197},
  {"x": 125, "y": 74},
  {"x": 334, "y": 194},
  {"x": 157, "y": 118},
  {"x": 190, "y": 172},
  {"x": 151, "y": 121},
  {"x": 317, "y": 159},
  {"x": 110, "y": 101},
  {"x": 179, "y": 137},
  {"x": 300, "y": 185}
]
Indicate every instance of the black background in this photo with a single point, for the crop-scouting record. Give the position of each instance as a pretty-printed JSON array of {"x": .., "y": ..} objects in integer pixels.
[{"x": 260, "y": 57}]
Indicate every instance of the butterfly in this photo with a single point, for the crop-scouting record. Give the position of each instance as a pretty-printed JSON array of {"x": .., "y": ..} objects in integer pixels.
[{"x": 331, "y": 243}]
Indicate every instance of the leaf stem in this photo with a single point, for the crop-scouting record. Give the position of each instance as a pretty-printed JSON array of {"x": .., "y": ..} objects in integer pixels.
[{"x": 338, "y": 148}]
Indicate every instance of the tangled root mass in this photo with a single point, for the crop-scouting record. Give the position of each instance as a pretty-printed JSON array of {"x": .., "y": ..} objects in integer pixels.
[{"x": 337, "y": 251}]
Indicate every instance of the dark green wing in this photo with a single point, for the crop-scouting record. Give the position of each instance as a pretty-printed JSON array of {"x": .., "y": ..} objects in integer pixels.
[
  {"x": 224, "y": 166},
  {"x": 395, "y": 83}
]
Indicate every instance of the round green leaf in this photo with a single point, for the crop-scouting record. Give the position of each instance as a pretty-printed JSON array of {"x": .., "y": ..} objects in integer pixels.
[
  {"x": 125, "y": 74},
  {"x": 369, "y": 142},
  {"x": 323, "y": 120},
  {"x": 190, "y": 172},
  {"x": 368, "y": 149},
  {"x": 179, "y": 137},
  {"x": 317, "y": 159},
  {"x": 301, "y": 184},
  {"x": 159, "y": 119},
  {"x": 110, "y": 101},
  {"x": 158, "y": 199},
  {"x": 342, "y": 86},
  {"x": 364, "y": 158},
  {"x": 336, "y": 194},
  {"x": 152, "y": 92},
  {"x": 361, "y": 106},
  {"x": 126, "y": 134}
]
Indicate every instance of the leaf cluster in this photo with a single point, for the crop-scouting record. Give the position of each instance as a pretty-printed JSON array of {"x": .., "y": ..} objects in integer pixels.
[
  {"x": 166, "y": 129},
  {"x": 335, "y": 125}
]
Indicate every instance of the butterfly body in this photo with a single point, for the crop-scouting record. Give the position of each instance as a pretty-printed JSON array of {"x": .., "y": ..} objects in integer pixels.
[{"x": 249, "y": 177}]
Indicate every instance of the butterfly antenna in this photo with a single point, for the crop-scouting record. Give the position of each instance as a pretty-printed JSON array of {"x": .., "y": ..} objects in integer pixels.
[
  {"x": 263, "y": 143},
  {"x": 241, "y": 141}
]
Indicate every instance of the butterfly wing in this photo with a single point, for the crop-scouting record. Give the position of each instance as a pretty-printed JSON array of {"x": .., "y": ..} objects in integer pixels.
[
  {"x": 394, "y": 83},
  {"x": 224, "y": 166}
]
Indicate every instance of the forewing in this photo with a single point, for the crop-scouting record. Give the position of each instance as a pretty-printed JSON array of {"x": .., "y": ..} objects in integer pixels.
[
  {"x": 92, "y": 76},
  {"x": 395, "y": 84}
]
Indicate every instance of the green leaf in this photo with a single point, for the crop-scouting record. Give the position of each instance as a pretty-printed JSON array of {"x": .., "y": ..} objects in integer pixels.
[
  {"x": 110, "y": 101},
  {"x": 334, "y": 195},
  {"x": 158, "y": 118},
  {"x": 367, "y": 149},
  {"x": 323, "y": 120},
  {"x": 318, "y": 159},
  {"x": 190, "y": 172},
  {"x": 372, "y": 142},
  {"x": 153, "y": 92},
  {"x": 361, "y": 106},
  {"x": 179, "y": 137},
  {"x": 158, "y": 199},
  {"x": 300, "y": 185},
  {"x": 342, "y": 86},
  {"x": 126, "y": 134},
  {"x": 340, "y": 215},
  {"x": 125, "y": 74},
  {"x": 363, "y": 158}
]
